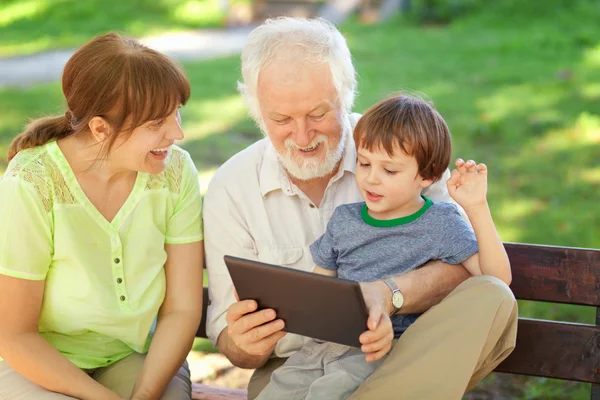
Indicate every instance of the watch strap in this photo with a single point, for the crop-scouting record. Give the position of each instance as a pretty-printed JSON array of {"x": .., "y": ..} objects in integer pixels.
[{"x": 391, "y": 283}]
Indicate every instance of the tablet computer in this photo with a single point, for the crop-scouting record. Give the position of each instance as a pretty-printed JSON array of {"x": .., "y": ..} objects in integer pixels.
[{"x": 318, "y": 306}]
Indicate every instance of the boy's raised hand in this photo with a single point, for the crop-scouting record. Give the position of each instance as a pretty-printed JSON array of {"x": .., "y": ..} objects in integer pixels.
[{"x": 468, "y": 183}]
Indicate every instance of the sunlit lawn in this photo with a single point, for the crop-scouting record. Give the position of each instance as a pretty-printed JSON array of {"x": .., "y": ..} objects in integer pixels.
[
  {"x": 520, "y": 92},
  {"x": 29, "y": 26}
]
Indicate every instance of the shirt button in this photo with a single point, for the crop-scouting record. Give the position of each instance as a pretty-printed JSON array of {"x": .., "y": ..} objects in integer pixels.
[
  {"x": 119, "y": 280},
  {"x": 117, "y": 260},
  {"x": 122, "y": 298},
  {"x": 312, "y": 205}
]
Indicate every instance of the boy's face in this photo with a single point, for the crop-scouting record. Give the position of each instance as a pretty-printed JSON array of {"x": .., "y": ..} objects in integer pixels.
[{"x": 391, "y": 186}]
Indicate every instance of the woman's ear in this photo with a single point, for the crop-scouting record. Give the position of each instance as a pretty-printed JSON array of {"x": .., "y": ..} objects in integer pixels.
[{"x": 99, "y": 128}]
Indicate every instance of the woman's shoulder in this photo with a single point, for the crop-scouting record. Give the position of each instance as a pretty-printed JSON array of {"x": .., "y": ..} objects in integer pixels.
[
  {"x": 179, "y": 163},
  {"x": 35, "y": 168},
  {"x": 29, "y": 161}
]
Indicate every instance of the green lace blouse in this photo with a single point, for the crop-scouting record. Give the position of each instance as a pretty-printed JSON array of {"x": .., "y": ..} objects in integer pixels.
[{"x": 104, "y": 281}]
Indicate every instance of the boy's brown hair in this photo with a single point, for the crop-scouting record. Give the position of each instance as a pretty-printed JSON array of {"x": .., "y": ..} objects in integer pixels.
[{"x": 413, "y": 125}]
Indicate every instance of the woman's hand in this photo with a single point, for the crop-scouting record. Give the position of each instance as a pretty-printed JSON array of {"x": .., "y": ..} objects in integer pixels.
[
  {"x": 377, "y": 341},
  {"x": 468, "y": 184}
]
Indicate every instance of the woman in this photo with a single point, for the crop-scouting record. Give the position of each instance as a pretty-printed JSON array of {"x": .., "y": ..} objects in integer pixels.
[{"x": 100, "y": 232}]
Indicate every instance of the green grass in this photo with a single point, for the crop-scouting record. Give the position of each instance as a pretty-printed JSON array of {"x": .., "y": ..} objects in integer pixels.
[
  {"x": 30, "y": 26},
  {"x": 519, "y": 87}
]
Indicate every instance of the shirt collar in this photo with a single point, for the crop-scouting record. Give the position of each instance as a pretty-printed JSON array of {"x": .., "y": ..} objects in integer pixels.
[
  {"x": 272, "y": 176},
  {"x": 349, "y": 158}
]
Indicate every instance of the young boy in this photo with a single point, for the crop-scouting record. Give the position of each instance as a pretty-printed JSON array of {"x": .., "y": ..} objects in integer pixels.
[{"x": 403, "y": 145}]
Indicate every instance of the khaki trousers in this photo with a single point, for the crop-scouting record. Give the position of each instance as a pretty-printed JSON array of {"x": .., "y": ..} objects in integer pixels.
[
  {"x": 445, "y": 352},
  {"x": 119, "y": 377}
]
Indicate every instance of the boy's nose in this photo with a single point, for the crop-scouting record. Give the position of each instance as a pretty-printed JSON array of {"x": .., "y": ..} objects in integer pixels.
[{"x": 372, "y": 177}]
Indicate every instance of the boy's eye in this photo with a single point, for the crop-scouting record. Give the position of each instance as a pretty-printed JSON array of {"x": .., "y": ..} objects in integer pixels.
[
  {"x": 363, "y": 164},
  {"x": 159, "y": 123},
  {"x": 390, "y": 172}
]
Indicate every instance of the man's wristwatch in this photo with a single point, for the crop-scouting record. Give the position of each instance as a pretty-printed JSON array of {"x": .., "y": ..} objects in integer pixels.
[{"x": 397, "y": 296}]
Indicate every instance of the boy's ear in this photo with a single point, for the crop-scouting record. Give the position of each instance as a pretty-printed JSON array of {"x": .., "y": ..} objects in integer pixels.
[{"x": 427, "y": 182}]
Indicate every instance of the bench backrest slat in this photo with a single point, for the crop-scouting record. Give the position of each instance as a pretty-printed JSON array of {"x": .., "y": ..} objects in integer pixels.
[
  {"x": 555, "y": 350},
  {"x": 555, "y": 274},
  {"x": 201, "y": 332}
]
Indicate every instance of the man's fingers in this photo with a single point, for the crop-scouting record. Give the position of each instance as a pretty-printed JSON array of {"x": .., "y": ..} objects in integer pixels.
[
  {"x": 252, "y": 320},
  {"x": 261, "y": 332},
  {"x": 267, "y": 344},
  {"x": 255, "y": 319},
  {"x": 239, "y": 309}
]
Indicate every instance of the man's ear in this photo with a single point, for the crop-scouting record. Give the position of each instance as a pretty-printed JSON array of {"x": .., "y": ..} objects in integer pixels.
[{"x": 99, "y": 128}]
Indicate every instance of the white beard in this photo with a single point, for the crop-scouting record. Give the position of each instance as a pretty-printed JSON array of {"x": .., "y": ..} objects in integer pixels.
[{"x": 308, "y": 168}]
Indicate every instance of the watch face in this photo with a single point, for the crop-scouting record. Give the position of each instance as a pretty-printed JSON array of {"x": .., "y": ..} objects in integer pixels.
[{"x": 397, "y": 299}]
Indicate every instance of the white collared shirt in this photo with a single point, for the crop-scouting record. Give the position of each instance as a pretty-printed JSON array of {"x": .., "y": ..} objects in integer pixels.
[{"x": 253, "y": 210}]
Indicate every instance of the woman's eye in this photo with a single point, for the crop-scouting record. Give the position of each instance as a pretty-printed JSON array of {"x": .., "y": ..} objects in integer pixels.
[
  {"x": 390, "y": 172},
  {"x": 317, "y": 117}
]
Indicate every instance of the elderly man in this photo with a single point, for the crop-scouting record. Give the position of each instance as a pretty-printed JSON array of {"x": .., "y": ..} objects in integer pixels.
[{"x": 272, "y": 200}]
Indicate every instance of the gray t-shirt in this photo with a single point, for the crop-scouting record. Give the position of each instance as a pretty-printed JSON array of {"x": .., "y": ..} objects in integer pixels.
[{"x": 364, "y": 249}]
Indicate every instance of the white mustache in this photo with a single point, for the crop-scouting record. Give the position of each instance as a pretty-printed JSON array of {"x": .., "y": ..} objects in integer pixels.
[{"x": 290, "y": 144}]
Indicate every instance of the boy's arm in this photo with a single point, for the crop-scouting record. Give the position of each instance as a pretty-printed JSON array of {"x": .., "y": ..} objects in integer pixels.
[
  {"x": 323, "y": 271},
  {"x": 491, "y": 258},
  {"x": 468, "y": 186}
]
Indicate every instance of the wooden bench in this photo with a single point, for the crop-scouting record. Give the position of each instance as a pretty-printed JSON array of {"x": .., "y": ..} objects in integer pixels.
[{"x": 550, "y": 349}]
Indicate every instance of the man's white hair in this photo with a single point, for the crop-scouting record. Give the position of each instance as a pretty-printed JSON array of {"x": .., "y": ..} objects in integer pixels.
[{"x": 299, "y": 39}]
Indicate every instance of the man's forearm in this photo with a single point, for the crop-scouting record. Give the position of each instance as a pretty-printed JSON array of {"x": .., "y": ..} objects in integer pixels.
[
  {"x": 237, "y": 356},
  {"x": 427, "y": 286}
]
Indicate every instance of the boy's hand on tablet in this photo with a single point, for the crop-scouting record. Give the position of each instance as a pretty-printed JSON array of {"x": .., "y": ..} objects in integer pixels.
[
  {"x": 377, "y": 341},
  {"x": 254, "y": 332}
]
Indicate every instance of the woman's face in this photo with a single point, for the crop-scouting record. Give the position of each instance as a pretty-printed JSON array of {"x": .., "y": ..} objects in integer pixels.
[{"x": 146, "y": 149}]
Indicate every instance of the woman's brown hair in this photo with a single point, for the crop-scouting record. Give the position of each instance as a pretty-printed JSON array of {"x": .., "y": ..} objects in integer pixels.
[
  {"x": 115, "y": 78},
  {"x": 411, "y": 124}
]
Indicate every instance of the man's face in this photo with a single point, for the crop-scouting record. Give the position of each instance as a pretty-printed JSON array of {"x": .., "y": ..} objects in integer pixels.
[{"x": 302, "y": 118}]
